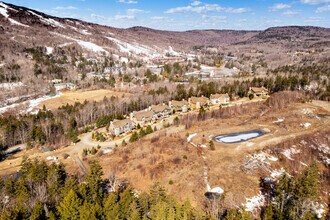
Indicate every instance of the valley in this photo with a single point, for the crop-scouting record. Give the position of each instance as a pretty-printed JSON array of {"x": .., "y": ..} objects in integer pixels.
[{"x": 101, "y": 122}]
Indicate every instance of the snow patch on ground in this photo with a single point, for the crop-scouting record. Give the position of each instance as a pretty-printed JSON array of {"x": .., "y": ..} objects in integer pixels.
[
  {"x": 217, "y": 190},
  {"x": 10, "y": 85},
  {"x": 190, "y": 137},
  {"x": 277, "y": 173},
  {"x": 107, "y": 151},
  {"x": 32, "y": 104},
  {"x": 3, "y": 12},
  {"x": 288, "y": 153},
  {"x": 14, "y": 22},
  {"x": 52, "y": 158},
  {"x": 88, "y": 45},
  {"x": 172, "y": 52},
  {"x": 91, "y": 46},
  {"x": 134, "y": 48},
  {"x": 120, "y": 58},
  {"x": 254, "y": 203},
  {"x": 65, "y": 44},
  {"x": 318, "y": 209},
  {"x": 85, "y": 32},
  {"x": 263, "y": 156},
  {"x": 323, "y": 149},
  {"x": 48, "y": 21},
  {"x": 279, "y": 120},
  {"x": 3, "y": 5},
  {"x": 305, "y": 125},
  {"x": 49, "y": 50},
  {"x": 307, "y": 111}
]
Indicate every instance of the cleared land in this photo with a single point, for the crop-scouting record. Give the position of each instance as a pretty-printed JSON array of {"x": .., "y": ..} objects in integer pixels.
[
  {"x": 166, "y": 157},
  {"x": 172, "y": 161},
  {"x": 80, "y": 96}
]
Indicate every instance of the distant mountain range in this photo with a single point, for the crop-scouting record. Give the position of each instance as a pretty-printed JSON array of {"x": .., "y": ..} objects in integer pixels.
[{"x": 21, "y": 27}]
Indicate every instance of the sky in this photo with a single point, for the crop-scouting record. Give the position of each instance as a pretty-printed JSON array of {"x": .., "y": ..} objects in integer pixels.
[{"x": 181, "y": 15}]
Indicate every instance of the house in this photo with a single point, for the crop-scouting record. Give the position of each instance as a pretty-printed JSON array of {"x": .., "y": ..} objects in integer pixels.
[
  {"x": 198, "y": 102},
  {"x": 258, "y": 91},
  {"x": 119, "y": 127},
  {"x": 143, "y": 117},
  {"x": 219, "y": 99},
  {"x": 63, "y": 86},
  {"x": 179, "y": 106},
  {"x": 160, "y": 111}
]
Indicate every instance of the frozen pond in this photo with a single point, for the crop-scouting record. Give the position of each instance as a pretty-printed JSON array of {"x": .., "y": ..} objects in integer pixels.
[{"x": 238, "y": 137}]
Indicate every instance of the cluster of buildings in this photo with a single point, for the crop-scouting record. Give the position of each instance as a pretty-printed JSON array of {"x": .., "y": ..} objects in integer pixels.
[
  {"x": 158, "y": 112},
  {"x": 60, "y": 86}
]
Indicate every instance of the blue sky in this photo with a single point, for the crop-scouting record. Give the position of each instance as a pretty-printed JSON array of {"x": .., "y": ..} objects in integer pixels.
[{"x": 189, "y": 14}]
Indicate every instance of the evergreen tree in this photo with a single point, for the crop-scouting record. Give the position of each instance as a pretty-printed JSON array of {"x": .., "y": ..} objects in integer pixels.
[
  {"x": 90, "y": 211},
  {"x": 94, "y": 181},
  {"x": 126, "y": 199},
  {"x": 148, "y": 130},
  {"x": 111, "y": 207},
  {"x": 38, "y": 212},
  {"x": 69, "y": 207}
]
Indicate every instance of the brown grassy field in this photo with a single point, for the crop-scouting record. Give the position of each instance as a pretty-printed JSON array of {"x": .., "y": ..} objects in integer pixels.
[
  {"x": 166, "y": 157},
  {"x": 176, "y": 164},
  {"x": 71, "y": 97}
]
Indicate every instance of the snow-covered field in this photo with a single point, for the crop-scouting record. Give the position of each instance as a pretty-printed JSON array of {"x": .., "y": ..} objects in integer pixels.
[
  {"x": 135, "y": 48},
  {"x": 31, "y": 104},
  {"x": 88, "y": 45}
]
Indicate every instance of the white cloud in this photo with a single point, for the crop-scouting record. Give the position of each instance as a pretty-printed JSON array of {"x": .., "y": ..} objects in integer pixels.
[
  {"x": 196, "y": 3},
  {"x": 134, "y": 11},
  {"x": 65, "y": 8},
  {"x": 290, "y": 13},
  {"x": 158, "y": 18},
  {"x": 215, "y": 18},
  {"x": 128, "y": 1},
  {"x": 314, "y": 2},
  {"x": 237, "y": 10},
  {"x": 205, "y": 8},
  {"x": 124, "y": 17},
  {"x": 279, "y": 6},
  {"x": 313, "y": 20},
  {"x": 321, "y": 9}
]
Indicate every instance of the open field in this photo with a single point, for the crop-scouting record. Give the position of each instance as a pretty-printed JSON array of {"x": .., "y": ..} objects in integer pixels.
[
  {"x": 166, "y": 157},
  {"x": 80, "y": 96},
  {"x": 179, "y": 166}
]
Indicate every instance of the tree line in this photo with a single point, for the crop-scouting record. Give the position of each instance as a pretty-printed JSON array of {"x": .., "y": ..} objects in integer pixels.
[{"x": 41, "y": 191}]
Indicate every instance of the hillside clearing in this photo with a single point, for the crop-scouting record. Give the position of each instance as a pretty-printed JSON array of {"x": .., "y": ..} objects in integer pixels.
[{"x": 80, "y": 96}]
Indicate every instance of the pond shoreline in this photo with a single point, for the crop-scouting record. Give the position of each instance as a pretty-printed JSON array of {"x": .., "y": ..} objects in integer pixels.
[{"x": 239, "y": 137}]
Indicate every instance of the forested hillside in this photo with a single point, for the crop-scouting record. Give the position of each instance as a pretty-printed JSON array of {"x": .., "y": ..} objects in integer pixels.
[{"x": 41, "y": 191}]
